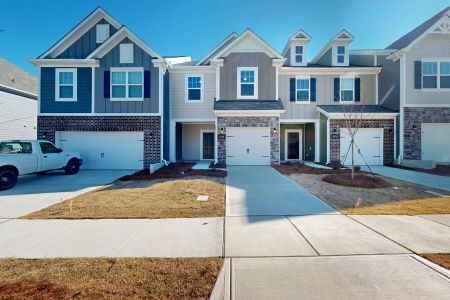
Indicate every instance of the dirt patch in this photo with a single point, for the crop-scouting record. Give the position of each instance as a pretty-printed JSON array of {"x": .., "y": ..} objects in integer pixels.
[
  {"x": 442, "y": 170},
  {"x": 175, "y": 170},
  {"x": 121, "y": 278},
  {"x": 359, "y": 180},
  {"x": 163, "y": 198},
  {"x": 342, "y": 197},
  {"x": 442, "y": 259}
]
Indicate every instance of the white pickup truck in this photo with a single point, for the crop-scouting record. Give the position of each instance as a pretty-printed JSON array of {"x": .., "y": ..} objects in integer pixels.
[{"x": 21, "y": 157}]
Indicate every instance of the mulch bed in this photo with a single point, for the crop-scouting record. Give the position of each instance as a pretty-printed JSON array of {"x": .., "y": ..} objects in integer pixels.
[
  {"x": 360, "y": 180},
  {"x": 217, "y": 166},
  {"x": 175, "y": 170},
  {"x": 442, "y": 170},
  {"x": 299, "y": 168}
]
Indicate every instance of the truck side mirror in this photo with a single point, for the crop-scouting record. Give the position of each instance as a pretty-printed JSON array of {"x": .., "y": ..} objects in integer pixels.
[{"x": 59, "y": 150}]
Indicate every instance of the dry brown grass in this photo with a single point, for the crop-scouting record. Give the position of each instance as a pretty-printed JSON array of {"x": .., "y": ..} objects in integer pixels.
[
  {"x": 118, "y": 278},
  {"x": 442, "y": 259},
  {"x": 437, "y": 205},
  {"x": 143, "y": 199}
]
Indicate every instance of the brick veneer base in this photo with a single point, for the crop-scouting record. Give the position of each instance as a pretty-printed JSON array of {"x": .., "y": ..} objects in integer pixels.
[
  {"x": 388, "y": 137},
  {"x": 413, "y": 119},
  {"x": 262, "y": 121},
  {"x": 150, "y": 125}
]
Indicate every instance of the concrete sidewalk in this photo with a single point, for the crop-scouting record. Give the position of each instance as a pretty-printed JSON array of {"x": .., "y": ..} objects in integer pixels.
[
  {"x": 196, "y": 237},
  {"x": 430, "y": 180}
]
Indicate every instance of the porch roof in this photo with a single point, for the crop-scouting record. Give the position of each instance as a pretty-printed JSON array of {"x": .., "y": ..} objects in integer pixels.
[
  {"x": 366, "y": 111},
  {"x": 248, "y": 105}
]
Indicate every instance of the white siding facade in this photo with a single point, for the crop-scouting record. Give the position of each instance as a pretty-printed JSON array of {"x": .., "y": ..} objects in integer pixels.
[{"x": 18, "y": 118}]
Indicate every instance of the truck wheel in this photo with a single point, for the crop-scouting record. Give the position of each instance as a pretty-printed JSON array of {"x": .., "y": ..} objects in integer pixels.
[
  {"x": 8, "y": 179},
  {"x": 72, "y": 167}
]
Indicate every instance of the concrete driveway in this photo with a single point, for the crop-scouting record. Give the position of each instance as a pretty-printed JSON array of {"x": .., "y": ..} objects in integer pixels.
[
  {"x": 430, "y": 180},
  {"x": 34, "y": 192}
]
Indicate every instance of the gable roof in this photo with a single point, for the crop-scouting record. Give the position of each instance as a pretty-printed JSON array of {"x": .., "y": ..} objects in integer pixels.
[
  {"x": 14, "y": 78},
  {"x": 248, "y": 33},
  {"x": 79, "y": 30},
  {"x": 205, "y": 60},
  {"x": 343, "y": 35},
  {"x": 300, "y": 35},
  {"x": 411, "y": 36},
  {"x": 116, "y": 38}
]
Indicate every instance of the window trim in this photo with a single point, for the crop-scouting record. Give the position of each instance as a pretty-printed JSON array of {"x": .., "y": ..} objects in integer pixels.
[
  {"x": 340, "y": 89},
  {"x": 107, "y": 33},
  {"x": 335, "y": 55},
  {"x": 293, "y": 54},
  {"x": 297, "y": 89},
  {"x": 296, "y": 54},
  {"x": 186, "y": 88},
  {"x": 74, "y": 85},
  {"x": 126, "y": 70},
  {"x": 438, "y": 74},
  {"x": 131, "y": 58},
  {"x": 238, "y": 86}
]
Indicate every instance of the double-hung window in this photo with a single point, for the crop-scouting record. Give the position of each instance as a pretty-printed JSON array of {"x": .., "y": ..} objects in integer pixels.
[
  {"x": 298, "y": 54},
  {"x": 347, "y": 89},
  {"x": 340, "y": 55},
  {"x": 194, "y": 88},
  {"x": 66, "y": 84},
  {"x": 247, "y": 83},
  {"x": 302, "y": 89},
  {"x": 436, "y": 75},
  {"x": 127, "y": 84}
]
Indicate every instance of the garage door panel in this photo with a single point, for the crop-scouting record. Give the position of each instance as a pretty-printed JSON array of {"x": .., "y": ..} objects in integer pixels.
[
  {"x": 369, "y": 147},
  {"x": 106, "y": 150},
  {"x": 436, "y": 142},
  {"x": 248, "y": 146}
]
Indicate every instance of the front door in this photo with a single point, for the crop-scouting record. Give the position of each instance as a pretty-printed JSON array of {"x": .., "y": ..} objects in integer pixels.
[
  {"x": 293, "y": 150},
  {"x": 208, "y": 145}
]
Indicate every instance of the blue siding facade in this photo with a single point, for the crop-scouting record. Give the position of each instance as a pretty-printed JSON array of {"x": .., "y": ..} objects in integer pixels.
[{"x": 84, "y": 93}]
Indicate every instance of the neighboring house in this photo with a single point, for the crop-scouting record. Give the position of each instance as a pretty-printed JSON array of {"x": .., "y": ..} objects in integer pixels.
[
  {"x": 101, "y": 93},
  {"x": 415, "y": 80},
  {"x": 18, "y": 102}
]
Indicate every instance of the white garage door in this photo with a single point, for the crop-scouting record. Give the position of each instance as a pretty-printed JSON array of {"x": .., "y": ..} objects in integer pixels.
[
  {"x": 436, "y": 142},
  {"x": 248, "y": 146},
  {"x": 370, "y": 144},
  {"x": 118, "y": 150}
]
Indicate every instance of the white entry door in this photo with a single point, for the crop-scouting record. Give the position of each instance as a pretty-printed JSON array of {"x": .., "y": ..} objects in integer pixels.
[
  {"x": 436, "y": 142},
  {"x": 248, "y": 145},
  {"x": 118, "y": 150},
  {"x": 369, "y": 142}
]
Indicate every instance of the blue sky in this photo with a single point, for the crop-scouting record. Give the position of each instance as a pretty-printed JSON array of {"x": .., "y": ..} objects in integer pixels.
[{"x": 194, "y": 27}]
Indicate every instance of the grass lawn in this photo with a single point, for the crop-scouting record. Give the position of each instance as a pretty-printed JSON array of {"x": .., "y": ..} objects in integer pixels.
[
  {"x": 161, "y": 198},
  {"x": 437, "y": 205},
  {"x": 118, "y": 278},
  {"x": 442, "y": 259}
]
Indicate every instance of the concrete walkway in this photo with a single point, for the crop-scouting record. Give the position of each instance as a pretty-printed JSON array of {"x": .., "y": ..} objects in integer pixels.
[{"x": 434, "y": 181}]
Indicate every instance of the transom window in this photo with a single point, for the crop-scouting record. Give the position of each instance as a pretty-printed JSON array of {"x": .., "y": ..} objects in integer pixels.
[
  {"x": 302, "y": 92},
  {"x": 436, "y": 75},
  {"x": 347, "y": 88},
  {"x": 247, "y": 83},
  {"x": 340, "y": 55},
  {"x": 66, "y": 84},
  {"x": 299, "y": 54},
  {"x": 127, "y": 84},
  {"x": 194, "y": 87}
]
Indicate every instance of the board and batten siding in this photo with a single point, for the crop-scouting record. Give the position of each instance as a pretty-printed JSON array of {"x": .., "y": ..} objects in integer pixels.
[
  {"x": 86, "y": 44},
  {"x": 112, "y": 60},
  {"x": 432, "y": 46},
  {"x": 180, "y": 109},
  {"x": 18, "y": 117},
  {"x": 266, "y": 74},
  {"x": 48, "y": 89},
  {"x": 324, "y": 95}
]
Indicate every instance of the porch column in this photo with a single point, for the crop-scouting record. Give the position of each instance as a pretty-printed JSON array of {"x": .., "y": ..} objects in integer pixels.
[{"x": 317, "y": 140}]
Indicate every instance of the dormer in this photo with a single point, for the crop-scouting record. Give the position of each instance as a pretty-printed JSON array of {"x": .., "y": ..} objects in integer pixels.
[
  {"x": 336, "y": 51},
  {"x": 296, "y": 49}
]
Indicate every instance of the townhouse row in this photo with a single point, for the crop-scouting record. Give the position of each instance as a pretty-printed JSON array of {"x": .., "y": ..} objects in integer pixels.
[{"x": 109, "y": 95}]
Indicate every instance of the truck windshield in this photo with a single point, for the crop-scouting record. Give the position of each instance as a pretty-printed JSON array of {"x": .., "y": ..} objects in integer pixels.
[{"x": 15, "y": 148}]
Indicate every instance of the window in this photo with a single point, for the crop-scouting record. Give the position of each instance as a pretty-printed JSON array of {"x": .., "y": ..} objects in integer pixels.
[
  {"x": 102, "y": 32},
  {"x": 194, "y": 88},
  {"x": 15, "y": 148},
  {"x": 347, "y": 88},
  {"x": 299, "y": 54},
  {"x": 66, "y": 84},
  {"x": 47, "y": 148},
  {"x": 127, "y": 84},
  {"x": 340, "y": 56},
  {"x": 302, "y": 91},
  {"x": 126, "y": 53},
  {"x": 435, "y": 75},
  {"x": 247, "y": 87}
]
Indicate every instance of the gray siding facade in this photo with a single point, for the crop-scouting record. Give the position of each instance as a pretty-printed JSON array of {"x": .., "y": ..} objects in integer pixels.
[
  {"x": 326, "y": 58},
  {"x": 266, "y": 75},
  {"x": 389, "y": 83},
  {"x": 112, "y": 60}
]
